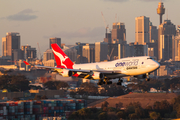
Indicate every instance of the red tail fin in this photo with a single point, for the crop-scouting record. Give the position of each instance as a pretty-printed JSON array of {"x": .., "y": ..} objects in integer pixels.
[{"x": 62, "y": 60}]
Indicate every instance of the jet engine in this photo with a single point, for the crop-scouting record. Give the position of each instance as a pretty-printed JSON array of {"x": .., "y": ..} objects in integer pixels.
[
  {"x": 66, "y": 73},
  {"x": 97, "y": 75}
]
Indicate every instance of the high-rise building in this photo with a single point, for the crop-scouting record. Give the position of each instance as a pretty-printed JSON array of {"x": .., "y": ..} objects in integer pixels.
[
  {"x": 175, "y": 45},
  {"x": 48, "y": 55},
  {"x": 10, "y": 43},
  {"x": 152, "y": 49},
  {"x": 138, "y": 50},
  {"x": 118, "y": 33},
  {"x": 54, "y": 40},
  {"x": 178, "y": 30},
  {"x": 165, "y": 32},
  {"x": 142, "y": 30},
  {"x": 71, "y": 53},
  {"x": 28, "y": 52},
  {"x": 101, "y": 51},
  {"x": 114, "y": 51},
  {"x": 179, "y": 51},
  {"x": 88, "y": 53},
  {"x": 153, "y": 33},
  {"x": 79, "y": 49},
  {"x": 108, "y": 38}
]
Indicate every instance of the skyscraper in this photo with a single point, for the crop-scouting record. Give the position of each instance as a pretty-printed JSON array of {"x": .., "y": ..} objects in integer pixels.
[
  {"x": 108, "y": 38},
  {"x": 48, "y": 55},
  {"x": 142, "y": 30},
  {"x": 175, "y": 45},
  {"x": 89, "y": 53},
  {"x": 118, "y": 33},
  {"x": 54, "y": 40},
  {"x": 101, "y": 51},
  {"x": 165, "y": 32},
  {"x": 138, "y": 50},
  {"x": 28, "y": 52},
  {"x": 153, "y": 33},
  {"x": 10, "y": 43},
  {"x": 114, "y": 51}
]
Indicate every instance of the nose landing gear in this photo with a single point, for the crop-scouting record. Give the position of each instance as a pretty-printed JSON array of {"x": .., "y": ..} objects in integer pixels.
[{"x": 147, "y": 77}]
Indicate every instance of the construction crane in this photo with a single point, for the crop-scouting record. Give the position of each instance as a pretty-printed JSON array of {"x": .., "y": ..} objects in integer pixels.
[
  {"x": 106, "y": 26},
  {"x": 40, "y": 57},
  {"x": 109, "y": 56}
]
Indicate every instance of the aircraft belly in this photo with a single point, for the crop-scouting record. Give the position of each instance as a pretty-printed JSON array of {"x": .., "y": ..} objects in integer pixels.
[{"x": 139, "y": 71}]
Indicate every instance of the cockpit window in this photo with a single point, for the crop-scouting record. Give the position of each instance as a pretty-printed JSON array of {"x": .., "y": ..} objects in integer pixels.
[{"x": 150, "y": 58}]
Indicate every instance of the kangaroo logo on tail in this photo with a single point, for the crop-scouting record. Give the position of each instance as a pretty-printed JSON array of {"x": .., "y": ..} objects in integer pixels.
[{"x": 61, "y": 58}]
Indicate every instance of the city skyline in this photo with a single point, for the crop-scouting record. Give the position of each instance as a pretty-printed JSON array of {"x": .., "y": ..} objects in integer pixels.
[{"x": 76, "y": 21}]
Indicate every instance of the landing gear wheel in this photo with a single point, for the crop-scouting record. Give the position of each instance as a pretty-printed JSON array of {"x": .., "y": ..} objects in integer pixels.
[
  {"x": 108, "y": 82},
  {"x": 147, "y": 79},
  {"x": 100, "y": 82},
  {"x": 119, "y": 81}
]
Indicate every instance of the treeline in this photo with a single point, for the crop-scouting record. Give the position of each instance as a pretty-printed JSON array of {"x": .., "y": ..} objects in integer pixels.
[
  {"x": 158, "y": 110},
  {"x": 105, "y": 90},
  {"x": 14, "y": 83},
  {"x": 173, "y": 84},
  {"x": 18, "y": 83},
  {"x": 55, "y": 85}
]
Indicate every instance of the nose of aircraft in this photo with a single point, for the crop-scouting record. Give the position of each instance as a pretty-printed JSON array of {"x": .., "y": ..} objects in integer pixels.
[{"x": 157, "y": 65}]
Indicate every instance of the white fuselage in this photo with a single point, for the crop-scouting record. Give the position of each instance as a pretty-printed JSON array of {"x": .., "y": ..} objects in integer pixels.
[{"x": 128, "y": 66}]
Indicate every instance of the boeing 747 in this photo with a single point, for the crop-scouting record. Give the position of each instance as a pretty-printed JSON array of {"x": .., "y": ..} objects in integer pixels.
[{"x": 103, "y": 71}]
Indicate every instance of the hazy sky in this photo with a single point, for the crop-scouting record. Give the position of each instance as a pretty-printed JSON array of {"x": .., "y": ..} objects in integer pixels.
[{"x": 76, "y": 20}]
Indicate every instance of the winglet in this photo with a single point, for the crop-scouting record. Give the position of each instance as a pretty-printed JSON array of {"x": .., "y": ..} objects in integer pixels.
[{"x": 26, "y": 63}]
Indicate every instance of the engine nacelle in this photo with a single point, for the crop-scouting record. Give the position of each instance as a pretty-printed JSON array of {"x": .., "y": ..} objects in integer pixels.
[
  {"x": 97, "y": 75},
  {"x": 66, "y": 73}
]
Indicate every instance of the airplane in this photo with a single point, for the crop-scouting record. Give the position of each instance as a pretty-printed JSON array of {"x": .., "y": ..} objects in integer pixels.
[{"x": 104, "y": 71}]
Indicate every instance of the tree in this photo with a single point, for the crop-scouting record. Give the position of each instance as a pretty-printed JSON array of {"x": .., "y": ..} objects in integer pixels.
[
  {"x": 44, "y": 97},
  {"x": 61, "y": 84},
  {"x": 178, "y": 112},
  {"x": 140, "y": 112},
  {"x": 176, "y": 102},
  {"x": 37, "y": 97},
  {"x": 50, "y": 85},
  {"x": 121, "y": 114},
  {"x": 74, "y": 115},
  {"x": 154, "y": 115},
  {"x": 14, "y": 83},
  {"x": 119, "y": 105},
  {"x": 55, "y": 85},
  {"x": 106, "y": 104},
  {"x": 102, "y": 116},
  {"x": 89, "y": 88},
  {"x": 85, "y": 113},
  {"x": 112, "y": 116},
  {"x": 133, "y": 116}
]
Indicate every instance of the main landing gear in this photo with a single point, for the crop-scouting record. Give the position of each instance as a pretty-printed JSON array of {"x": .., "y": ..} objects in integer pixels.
[
  {"x": 105, "y": 81},
  {"x": 119, "y": 81}
]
